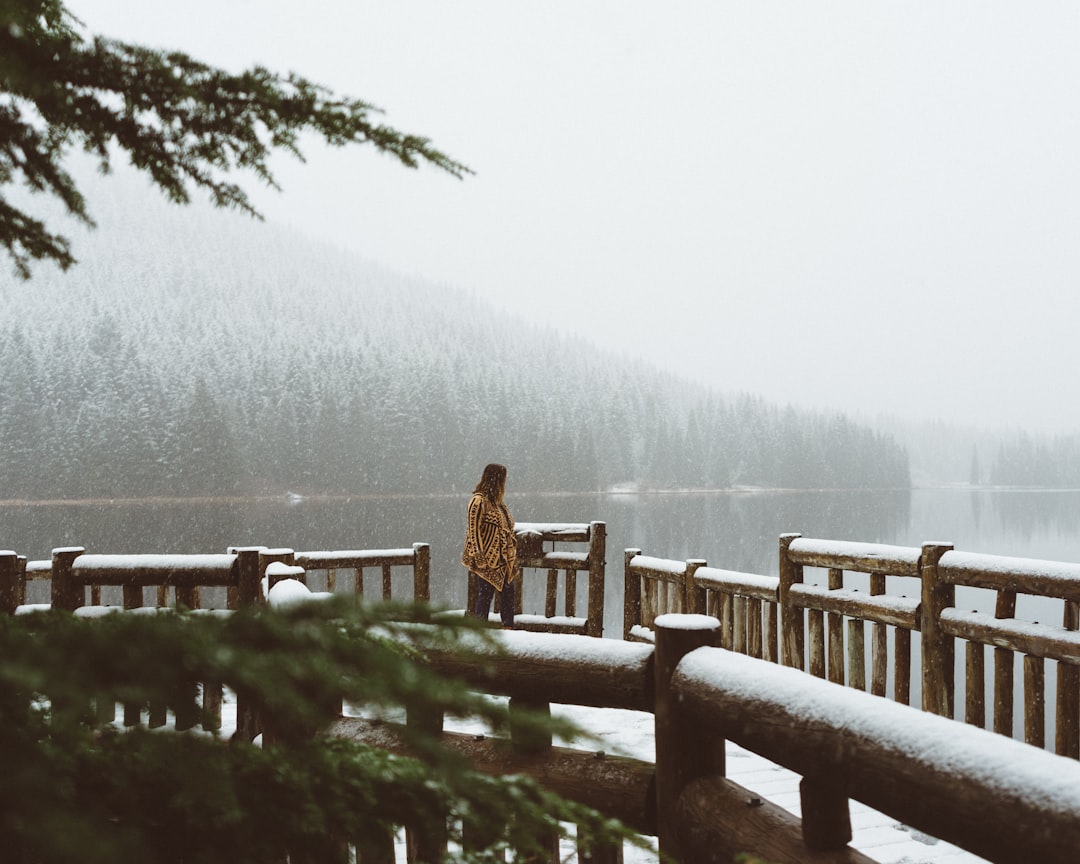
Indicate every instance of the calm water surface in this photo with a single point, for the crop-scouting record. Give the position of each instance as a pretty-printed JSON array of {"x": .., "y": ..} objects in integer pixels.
[{"x": 733, "y": 530}]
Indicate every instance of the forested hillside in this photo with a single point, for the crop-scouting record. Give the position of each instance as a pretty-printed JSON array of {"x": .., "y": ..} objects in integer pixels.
[{"x": 195, "y": 353}]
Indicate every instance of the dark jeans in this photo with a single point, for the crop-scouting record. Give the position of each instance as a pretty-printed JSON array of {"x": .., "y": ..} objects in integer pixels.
[{"x": 506, "y": 603}]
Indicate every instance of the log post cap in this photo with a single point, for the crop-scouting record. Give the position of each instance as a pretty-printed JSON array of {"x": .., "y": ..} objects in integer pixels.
[{"x": 676, "y": 621}]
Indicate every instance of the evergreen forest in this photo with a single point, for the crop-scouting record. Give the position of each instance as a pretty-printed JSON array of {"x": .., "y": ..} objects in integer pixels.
[{"x": 196, "y": 353}]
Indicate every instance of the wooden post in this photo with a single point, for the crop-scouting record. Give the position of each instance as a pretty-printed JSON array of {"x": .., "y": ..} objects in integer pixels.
[
  {"x": 133, "y": 599},
  {"x": 902, "y": 673},
  {"x": 471, "y": 593},
  {"x": 591, "y": 852},
  {"x": 727, "y": 621},
  {"x": 836, "y": 632},
  {"x": 938, "y": 653},
  {"x": 738, "y": 630},
  {"x": 9, "y": 582},
  {"x": 771, "y": 652},
  {"x": 425, "y": 839},
  {"x": 422, "y": 572},
  {"x": 631, "y": 594},
  {"x": 1067, "y": 726},
  {"x": 66, "y": 592},
  {"x": 248, "y": 592},
  {"x": 879, "y": 644},
  {"x": 20, "y": 571},
  {"x": 531, "y": 741},
  {"x": 694, "y": 599},
  {"x": 856, "y": 643},
  {"x": 682, "y": 754},
  {"x": 594, "y": 623},
  {"x": 387, "y": 583},
  {"x": 816, "y": 627},
  {"x": 551, "y": 593},
  {"x": 791, "y": 616},
  {"x": 1003, "y": 670},
  {"x": 524, "y": 738},
  {"x": 248, "y": 578},
  {"x": 1034, "y": 701},
  {"x": 975, "y": 684},
  {"x": 753, "y": 627},
  {"x": 826, "y": 819},
  {"x": 275, "y": 556}
]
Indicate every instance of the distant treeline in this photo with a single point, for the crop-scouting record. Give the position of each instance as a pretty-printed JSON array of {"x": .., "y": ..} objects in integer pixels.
[
  {"x": 1047, "y": 461},
  {"x": 193, "y": 355}
]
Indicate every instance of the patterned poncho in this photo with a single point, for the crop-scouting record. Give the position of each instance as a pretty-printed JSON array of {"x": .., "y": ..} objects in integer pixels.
[{"x": 490, "y": 550}]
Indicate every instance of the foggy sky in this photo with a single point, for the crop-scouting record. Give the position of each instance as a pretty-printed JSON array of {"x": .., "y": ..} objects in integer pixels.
[{"x": 863, "y": 206}]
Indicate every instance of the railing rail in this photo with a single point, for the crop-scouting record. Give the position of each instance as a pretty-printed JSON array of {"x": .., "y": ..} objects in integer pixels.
[
  {"x": 821, "y": 628},
  {"x": 383, "y": 560}
]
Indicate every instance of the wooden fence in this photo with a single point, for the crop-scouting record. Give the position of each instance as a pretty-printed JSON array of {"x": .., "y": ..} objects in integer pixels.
[
  {"x": 782, "y": 619},
  {"x": 992, "y": 796},
  {"x": 822, "y": 628},
  {"x": 77, "y": 580}
]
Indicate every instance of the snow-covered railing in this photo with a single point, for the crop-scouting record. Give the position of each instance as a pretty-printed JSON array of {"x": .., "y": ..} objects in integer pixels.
[
  {"x": 944, "y": 570},
  {"x": 836, "y": 603},
  {"x": 984, "y": 793},
  {"x": 186, "y": 574},
  {"x": 417, "y": 559},
  {"x": 73, "y": 572},
  {"x": 822, "y": 628},
  {"x": 532, "y": 555},
  {"x": 987, "y": 794},
  {"x": 535, "y": 670},
  {"x": 653, "y": 587},
  {"x": 744, "y": 603}
]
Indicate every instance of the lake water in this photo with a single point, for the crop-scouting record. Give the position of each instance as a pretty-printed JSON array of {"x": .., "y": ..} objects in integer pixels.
[{"x": 732, "y": 530}]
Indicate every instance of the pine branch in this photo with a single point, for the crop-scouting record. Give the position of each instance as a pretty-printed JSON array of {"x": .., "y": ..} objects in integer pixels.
[{"x": 183, "y": 122}]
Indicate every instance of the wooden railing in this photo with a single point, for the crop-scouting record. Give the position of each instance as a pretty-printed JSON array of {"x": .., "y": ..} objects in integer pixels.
[
  {"x": 189, "y": 573},
  {"x": 822, "y": 628},
  {"x": 984, "y": 793},
  {"x": 1035, "y": 643},
  {"x": 73, "y": 572},
  {"x": 78, "y": 579},
  {"x": 417, "y": 559},
  {"x": 882, "y": 610},
  {"x": 567, "y": 562}
]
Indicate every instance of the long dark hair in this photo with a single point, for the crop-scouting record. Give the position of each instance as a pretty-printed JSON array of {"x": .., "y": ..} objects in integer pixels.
[{"x": 493, "y": 483}]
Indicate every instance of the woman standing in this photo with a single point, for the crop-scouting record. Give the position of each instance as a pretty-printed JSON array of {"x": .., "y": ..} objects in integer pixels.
[{"x": 490, "y": 548}]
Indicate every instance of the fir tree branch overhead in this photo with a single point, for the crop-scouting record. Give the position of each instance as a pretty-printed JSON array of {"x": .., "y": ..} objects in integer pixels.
[{"x": 183, "y": 122}]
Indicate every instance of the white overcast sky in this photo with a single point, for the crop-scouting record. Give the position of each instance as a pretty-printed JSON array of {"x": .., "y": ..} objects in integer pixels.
[{"x": 866, "y": 206}]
